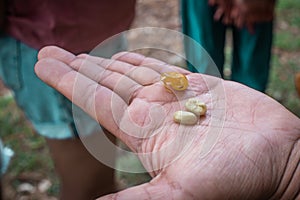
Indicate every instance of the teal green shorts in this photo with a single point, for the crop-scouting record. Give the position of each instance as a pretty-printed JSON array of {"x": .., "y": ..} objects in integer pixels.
[{"x": 49, "y": 112}]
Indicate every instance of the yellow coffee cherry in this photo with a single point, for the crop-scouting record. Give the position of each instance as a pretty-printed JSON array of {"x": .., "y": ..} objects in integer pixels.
[{"x": 174, "y": 80}]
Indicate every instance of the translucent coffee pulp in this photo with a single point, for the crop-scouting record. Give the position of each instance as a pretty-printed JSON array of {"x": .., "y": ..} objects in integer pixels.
[{"x": 174, "y": 80}]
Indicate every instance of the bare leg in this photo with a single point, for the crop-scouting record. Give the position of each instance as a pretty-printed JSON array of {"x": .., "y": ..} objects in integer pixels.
[{"x": 82, "y": 176}]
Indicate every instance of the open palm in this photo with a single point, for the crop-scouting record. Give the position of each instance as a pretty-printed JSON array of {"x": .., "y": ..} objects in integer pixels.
[{"x": 244, "y": 148}]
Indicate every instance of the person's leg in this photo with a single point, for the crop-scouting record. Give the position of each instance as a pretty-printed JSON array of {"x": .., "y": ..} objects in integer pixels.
[
  {"x": 251, "y": 56},
  {"x": 51, "y": 116},
  {"x": 198, "y": 23},
  {"x": 82, "y": 176}
]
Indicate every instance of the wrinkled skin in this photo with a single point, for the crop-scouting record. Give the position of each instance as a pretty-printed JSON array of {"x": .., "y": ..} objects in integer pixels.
[{"x": 255, "y": 156}]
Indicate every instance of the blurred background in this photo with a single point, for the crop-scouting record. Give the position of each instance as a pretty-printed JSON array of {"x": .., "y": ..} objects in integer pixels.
[{"x": 31, "y": 173}]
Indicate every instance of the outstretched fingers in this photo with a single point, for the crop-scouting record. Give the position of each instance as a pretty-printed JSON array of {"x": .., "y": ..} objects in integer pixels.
[
  {"x": 122, "y": 85},
  {"x": 82, "y": 91},
  {"x": 103, "y": 93},
  {"x": 151, "y": 63},
  {"x": 56, "y": 53},
  {"x": 122, "y": 78},
  {"x": 142, "y": 75}
]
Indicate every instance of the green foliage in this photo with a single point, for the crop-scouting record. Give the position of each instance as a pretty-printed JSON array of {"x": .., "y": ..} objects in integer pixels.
[
  {"x": 281, "y": 83},
  {"x": 283, "y": 5},
  {"x": 31, "y": 153},
  {"x": 287, "y": 41},
  {"x": 288, "y": 25},
  {"x": 286, "y": 59}
]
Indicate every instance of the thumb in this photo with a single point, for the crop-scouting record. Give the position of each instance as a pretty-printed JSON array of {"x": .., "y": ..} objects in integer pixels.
[{"x": 156, "y": 189}]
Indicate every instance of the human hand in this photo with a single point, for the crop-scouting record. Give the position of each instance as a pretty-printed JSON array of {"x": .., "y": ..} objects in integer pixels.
[
  {"x": 256, "y": 152},
  {"x": 243, "y": 13},
  {"x": 223, "y": 10},
  {"x": 248, "y": 12}
]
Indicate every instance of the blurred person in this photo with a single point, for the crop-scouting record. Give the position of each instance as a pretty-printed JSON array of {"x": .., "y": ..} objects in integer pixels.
[
  {"x": 251, "y": 23},
  {"x": 254, "y": 156},
  {"x": 78, "y": 26}
]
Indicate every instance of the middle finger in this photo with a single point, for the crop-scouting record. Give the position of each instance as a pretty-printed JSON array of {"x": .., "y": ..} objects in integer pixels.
[
  {"x": 142, "y": 75},
  {"x": 119, "y": 83}
]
